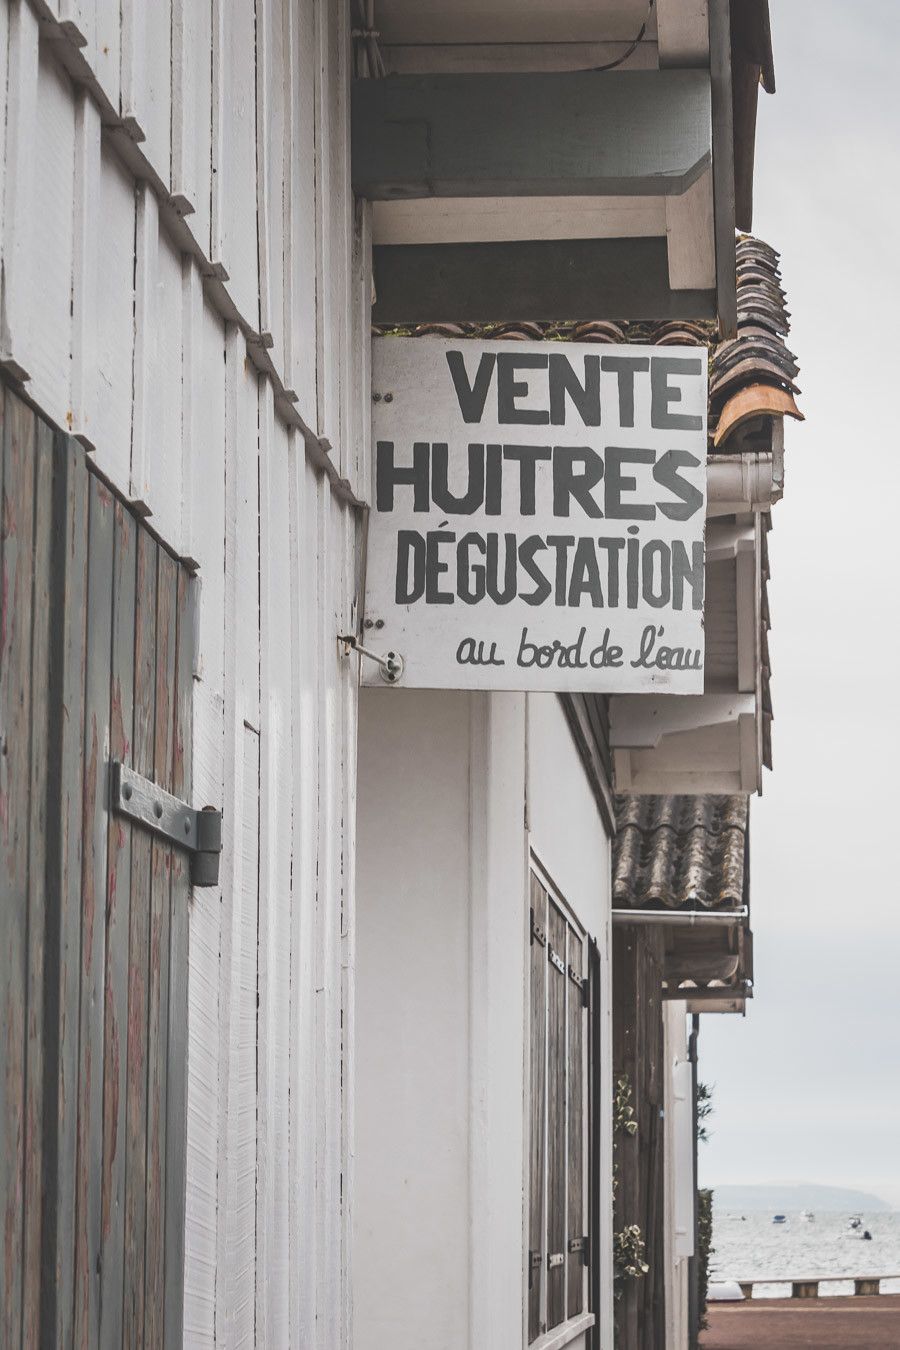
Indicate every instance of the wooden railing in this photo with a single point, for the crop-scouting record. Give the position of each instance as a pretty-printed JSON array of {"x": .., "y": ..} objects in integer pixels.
[{"x": 809, "y": 1288}]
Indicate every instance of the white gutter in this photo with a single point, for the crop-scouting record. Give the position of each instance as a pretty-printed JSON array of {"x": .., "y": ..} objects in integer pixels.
[
  {"x": 740, "y": 483},
  {"x": 694, "y": 918}
]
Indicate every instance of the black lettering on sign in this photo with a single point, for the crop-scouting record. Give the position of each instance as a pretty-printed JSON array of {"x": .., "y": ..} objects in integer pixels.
[
  {"x": 471, "y": 397},
  {"x": 410, "y": 584},
  {"x": 472, "y": 653},
  {"x": 443, "y": 498},
  {"x": 688, "y": 569},
  {"x": 656, "y": 581},
  {"x": 625, "y": 368},
  {"x": 666, "y": 473},
  {"x": 576, "y": 471},
  {"x": 618, "y": 483},
  {"x": 435, "y": 568},
  {"x": 389, "y": 475},
  {"x": 509, "y": 389},
  {"x": 471, "y": 575},
  {"x": 564, "y": 382},
  {"x": 542, "y": 588},
  {"x": 653, "y": 655},
  {"x": 527, "y": 457},
  {"x": 662, "y": 393}
]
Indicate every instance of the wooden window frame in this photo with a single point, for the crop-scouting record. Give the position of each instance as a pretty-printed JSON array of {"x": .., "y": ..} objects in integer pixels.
[{"x": 580, "y": 1323}]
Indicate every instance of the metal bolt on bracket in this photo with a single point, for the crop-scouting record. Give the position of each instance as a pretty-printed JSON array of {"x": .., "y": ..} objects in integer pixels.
[{"x": 390, "y": 665}]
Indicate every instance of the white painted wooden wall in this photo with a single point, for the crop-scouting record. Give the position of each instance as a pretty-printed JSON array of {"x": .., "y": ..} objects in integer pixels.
[{"x": 184, "y": 287}]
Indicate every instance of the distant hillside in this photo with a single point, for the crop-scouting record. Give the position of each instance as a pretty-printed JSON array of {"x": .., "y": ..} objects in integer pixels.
[{"x": 790, "y": 1199}]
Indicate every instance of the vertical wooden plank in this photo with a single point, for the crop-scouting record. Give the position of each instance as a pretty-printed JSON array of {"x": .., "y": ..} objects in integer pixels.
[
  {"x": 156, "y": 453},
  {"x": 577, "y": 1128},
  {"x": 273, "y": 54},
  {"x": 145, "y": 300},
  {"x": 50, "y": 232},
  {"x": 234, "y": 235},
  {"x": 205, "y": 446},
  {"x": 176, "y": 1061},
  {"x": 192, "y": 113},
  {"x": 94, "y": 828},
  {"x": 237, "y": 1150},
  {"x": 16, "y": 541},
  {"x": 142, "y": 759},
  {"x": 38, "y": 896},
  {"x": 333, "y": 228},
  {"x": 302, "y": 1125},
  {"x": 16, "y": 305},
  {"x": 147, "y": 78},
  {"x": 347, "y": 615},
  {"x": 77, "y": 19},
  {"x": 164, "y": 454},
  {"x": 556, "y": 1118},
  {"x": 300, "y": 326},
  {"x": 109, "y": 414},
  {"x": 266, "y": 159},
  {"x": 63, "y": 947},
  {"x": 536, "y": 1254},
  {"x": 327, "y": 950},
  {"x": 359, "y": 383},
  {"x": 4, "y": 94},
  {"x": 276, "y": 803},
  {"x": 162, "y": 859},
  {"x": 193, "y": 407},
  {"x": 108, "y": 53},
  {"x": 85, "y": 262},
  {"x": 118, "y": 911}
]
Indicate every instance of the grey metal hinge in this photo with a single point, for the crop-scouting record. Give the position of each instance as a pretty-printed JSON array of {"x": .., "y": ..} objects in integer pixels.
[
  {"x": 583, "y": 1245},
  {"x": 534, "y": 1263},
  {"x": 556, "y": 959},
  {"x": 199, "y": 833},
  {"x": 538, "y": 934},
  {"x": 583, "y": 983}
]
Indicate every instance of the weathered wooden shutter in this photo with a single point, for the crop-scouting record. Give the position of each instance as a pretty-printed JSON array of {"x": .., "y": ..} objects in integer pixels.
[
  {"x": 577, "y": 1120},
  {"x": 595, "y": 1138},
  {"x": 559, "y": 1118},
  {"x": 95, "y": 666},
  {"x": 536, "y": 1245},
  {"x": 556, "y": 1118}
]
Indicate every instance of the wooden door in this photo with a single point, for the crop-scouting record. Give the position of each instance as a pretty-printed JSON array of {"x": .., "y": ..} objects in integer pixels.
[{"x": 96, "y": 658}]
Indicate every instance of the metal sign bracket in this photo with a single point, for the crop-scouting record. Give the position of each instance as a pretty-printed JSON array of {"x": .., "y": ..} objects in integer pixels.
[{"x": 390, "y": 665}]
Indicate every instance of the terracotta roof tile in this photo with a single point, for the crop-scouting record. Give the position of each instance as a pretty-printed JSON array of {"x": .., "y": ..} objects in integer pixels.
[{"x": 680, "y": 852}]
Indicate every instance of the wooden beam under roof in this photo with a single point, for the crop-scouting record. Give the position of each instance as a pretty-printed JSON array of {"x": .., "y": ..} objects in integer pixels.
[
  {"x": 723, "y": 164},
  {"x": 579, "y": 133},
  {"x": 536, "y": 279},
  {"x": 507, "y": 21}
]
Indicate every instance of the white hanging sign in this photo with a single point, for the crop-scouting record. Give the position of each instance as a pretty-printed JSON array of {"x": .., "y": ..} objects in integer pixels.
[{"x": 537, "y": 515}]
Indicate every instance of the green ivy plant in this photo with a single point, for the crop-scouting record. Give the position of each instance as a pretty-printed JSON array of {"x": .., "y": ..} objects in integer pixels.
[
  {"x": 629, "y": 1251},
  {"x": 629, "y": 1247}
]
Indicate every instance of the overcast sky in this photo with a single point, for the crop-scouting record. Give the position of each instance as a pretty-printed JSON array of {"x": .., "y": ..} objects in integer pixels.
[{"x": 807, "y": 1087}]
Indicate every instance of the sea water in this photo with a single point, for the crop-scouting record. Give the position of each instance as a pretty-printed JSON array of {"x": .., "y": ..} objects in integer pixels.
[{"x": 752, "y": 1247}]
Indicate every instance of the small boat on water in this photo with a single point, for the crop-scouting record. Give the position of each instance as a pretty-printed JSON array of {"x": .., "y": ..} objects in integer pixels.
[
  {"x": 807, "y": 1216},
  {"x": 779, "y": 1218}
]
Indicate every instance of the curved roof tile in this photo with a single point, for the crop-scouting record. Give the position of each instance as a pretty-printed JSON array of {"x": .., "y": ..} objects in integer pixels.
[{"x": 681, "y": 852}]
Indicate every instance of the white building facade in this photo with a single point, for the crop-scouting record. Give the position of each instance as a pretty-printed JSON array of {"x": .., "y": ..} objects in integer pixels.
[{"x": 357, "y": 1148}]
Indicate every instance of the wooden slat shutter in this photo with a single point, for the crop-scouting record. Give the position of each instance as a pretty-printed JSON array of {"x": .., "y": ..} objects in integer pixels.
[
  {"x": 577, "y": 1117},
  {"x": 538, "y": 1014},
  {"x": 556, "y": 1118},
  {"x": 96, "y": 661},
  {"x": 559, "y": 1118}
]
